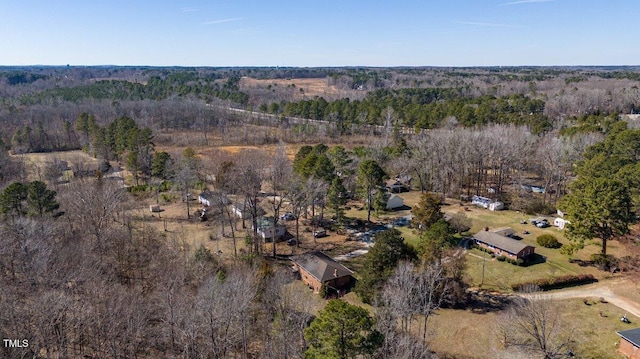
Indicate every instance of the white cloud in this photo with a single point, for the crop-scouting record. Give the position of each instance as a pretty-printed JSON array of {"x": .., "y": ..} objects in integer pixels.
[{"x": 213, "y": 22}]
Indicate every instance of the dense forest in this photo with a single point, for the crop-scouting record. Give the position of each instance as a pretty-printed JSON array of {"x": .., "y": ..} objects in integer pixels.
[{"x": 83, "y": 274}]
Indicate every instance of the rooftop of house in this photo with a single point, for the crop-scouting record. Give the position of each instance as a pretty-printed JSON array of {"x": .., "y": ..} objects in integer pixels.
[
  {"x": 321, "y": 266},
  {"x": 504, "y": 231},
  {"x": 632, "y": 336},
  {"x": 505, "y": 243},
  {"x": 402, "y": 180}
]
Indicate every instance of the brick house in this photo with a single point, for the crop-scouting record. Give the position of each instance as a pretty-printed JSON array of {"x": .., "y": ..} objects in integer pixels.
[
  {"x": 317, "y": 269},
  {"x": 502, "y": 245},
  {"x": 630, "y": 343}
]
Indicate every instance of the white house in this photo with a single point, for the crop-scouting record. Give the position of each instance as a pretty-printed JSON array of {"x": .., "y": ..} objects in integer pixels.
[
  {"x": 394, "y": 202},
  {"x": 268, "y": 232},
  {"x": 487, "y": 203},
  {"x": 480, "y": 201}
]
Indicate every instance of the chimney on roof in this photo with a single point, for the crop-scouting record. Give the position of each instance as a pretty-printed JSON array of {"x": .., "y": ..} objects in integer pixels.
[{"x": 335, "y": 272}]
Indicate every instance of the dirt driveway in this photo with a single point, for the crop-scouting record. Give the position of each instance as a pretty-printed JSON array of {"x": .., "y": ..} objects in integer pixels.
[{"x": 620, "y": 292}]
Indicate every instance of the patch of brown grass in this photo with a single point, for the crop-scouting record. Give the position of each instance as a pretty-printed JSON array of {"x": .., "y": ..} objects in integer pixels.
[
  {"x": 462, "y": 333},
  {"x": 311, "y": 86}
]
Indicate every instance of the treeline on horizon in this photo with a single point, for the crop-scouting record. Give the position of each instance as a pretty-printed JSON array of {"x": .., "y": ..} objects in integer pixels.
[{"x": 48, "y": 99}]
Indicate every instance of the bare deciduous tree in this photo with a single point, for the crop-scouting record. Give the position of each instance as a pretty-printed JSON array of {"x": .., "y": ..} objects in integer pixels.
[
  {"x": 280, "y": 173},
  {"x": 92, "y": 209},
  {"x": 535, "y": 325}
]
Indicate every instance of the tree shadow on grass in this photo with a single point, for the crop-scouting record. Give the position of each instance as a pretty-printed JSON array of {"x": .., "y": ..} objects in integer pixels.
[{"x": 484, "y": 302}]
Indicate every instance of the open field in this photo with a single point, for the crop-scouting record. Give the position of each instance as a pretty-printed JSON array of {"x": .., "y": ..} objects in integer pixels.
[
  {"x": 69, "y": 156},
  {"x": 468, "y": 334},
  {"x": 76, "y": 159},
  {"x": 310, "y": 86},
  {"x": 473, "y": 333}
]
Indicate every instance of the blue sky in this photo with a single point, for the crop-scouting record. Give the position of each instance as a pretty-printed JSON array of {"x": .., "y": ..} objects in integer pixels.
[{"x": 320, "y": 33}]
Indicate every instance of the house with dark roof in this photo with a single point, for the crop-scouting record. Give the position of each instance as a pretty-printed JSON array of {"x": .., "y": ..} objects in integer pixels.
[
  {"x": 504, "y": 231},
  {"x": 399, "y": 184},
  {"x": 630, "y": 343},
  {"x": 502, "y": 245},
  {"x": 317, "y": 270}
]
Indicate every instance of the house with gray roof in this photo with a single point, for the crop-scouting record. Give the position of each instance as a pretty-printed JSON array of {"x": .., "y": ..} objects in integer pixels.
[
  {"x": 502, "y": 245},
  {"x": 317, "y": 270},
  {"x": 630, "y": 343}
]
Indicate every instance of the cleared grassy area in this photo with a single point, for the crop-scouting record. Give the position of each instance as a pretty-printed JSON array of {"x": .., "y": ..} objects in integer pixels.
[
  {"x": 501, "y": 275},
  {"x": 463, "y": 333}
]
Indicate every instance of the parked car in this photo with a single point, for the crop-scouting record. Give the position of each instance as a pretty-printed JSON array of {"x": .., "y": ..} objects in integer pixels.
[
  {"x": 400, "y": 222},
  {"x": 543, "y": 224},
  {"x": 320, "y": 233},
  {"x": 287, "y": 216}
]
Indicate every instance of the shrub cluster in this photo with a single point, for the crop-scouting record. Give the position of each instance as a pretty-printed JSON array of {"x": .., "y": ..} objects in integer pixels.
[
  {"x": 501, "y": 258},
  {"x": 515, "y": 262},
  {"x": 139, "y": 189},
  {"x": 483, "y": 249},
  {"x": 548, "y": 241},
  {"x": 557, "y": 282},
  {"x": 533, "y": 207}
]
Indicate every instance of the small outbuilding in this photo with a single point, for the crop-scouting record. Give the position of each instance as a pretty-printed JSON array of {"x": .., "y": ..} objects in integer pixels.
[
  {"x": 209, "y": 198},
  {"x": 560, "y": 222},
  {"x": 496, "y": 206},
  {"x": 630, "y": 343},
  {"x": 242, "y": 211},
  {"x": 394, "y": 202}
]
